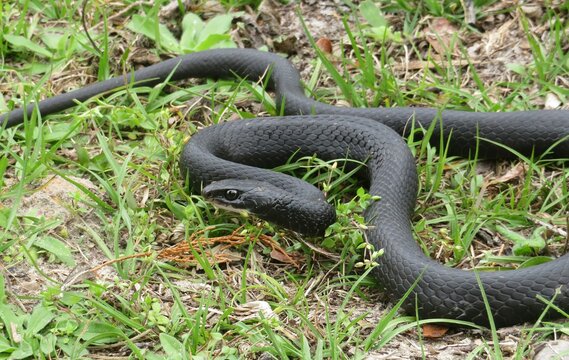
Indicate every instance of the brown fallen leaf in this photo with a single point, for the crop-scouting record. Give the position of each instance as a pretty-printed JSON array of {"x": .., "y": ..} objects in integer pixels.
[
  {"x": 325, "y": 45},
  {"x": 440, "y": 36},
  {"x": 517, "y": 172},
  {"x": 434, "y": 331},
  {"x": 279, "y": 254},
  {"x": 469, "y": 12},
  {"x": 253, "y": 309}
]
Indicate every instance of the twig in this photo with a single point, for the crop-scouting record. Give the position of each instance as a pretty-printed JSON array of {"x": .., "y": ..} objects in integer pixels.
[
  {"x": 550, "y": 227},
  {"x": 181, "y": 252},
  {"x": 84, "y": 23},
  {"x": 123, "y": 11},
  {"x": 566, "y": 235}
]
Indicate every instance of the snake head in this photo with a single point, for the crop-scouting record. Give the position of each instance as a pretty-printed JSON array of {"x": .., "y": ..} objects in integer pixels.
[
  {"x": 303, "y": 214},
  {"x": 242, "y": 196}
]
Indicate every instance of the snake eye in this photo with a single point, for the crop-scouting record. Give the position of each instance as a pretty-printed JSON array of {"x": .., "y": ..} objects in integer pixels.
[{"x": 231, "y": 194}]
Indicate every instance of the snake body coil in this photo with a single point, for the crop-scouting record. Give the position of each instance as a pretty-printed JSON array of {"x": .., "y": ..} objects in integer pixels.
[{"x": 243, "y": 149}]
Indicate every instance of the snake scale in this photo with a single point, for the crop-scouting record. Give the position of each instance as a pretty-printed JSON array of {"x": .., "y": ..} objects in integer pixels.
[{"x": 239, "y": 153}]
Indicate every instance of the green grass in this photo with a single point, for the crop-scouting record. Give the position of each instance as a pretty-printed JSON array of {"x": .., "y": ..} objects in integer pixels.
[{"x": 119, "y": 155}]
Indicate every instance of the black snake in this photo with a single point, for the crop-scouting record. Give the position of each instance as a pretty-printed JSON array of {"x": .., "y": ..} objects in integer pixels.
[{"x": 231, "y": 159}]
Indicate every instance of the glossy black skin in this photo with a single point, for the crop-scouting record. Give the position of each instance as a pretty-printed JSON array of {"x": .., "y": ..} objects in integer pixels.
[{"x": 243, "y": 150}]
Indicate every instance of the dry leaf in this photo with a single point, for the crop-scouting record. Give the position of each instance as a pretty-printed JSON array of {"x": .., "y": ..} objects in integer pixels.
[
  {"x": 552, "y": 350},
  {"x": 279, "y": 254},
  {"x": 434, "y": 331},
  {"x": 325, "y": 45},
  {"x": 15, "y": 334},
  {"x": 469, "y": 12},
  {"x": 252, "y": 309},
  {"x": 517, "y": 172},
  {"x": 552, "y": 101},
  {"x": 532, "y": 11},
  {"x": 440, "y": 36}
]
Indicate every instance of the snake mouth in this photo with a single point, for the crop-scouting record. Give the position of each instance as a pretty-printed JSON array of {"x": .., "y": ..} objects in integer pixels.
[
  {"x": 233, "y": 195},
  {"x": 218, "y": 204}
]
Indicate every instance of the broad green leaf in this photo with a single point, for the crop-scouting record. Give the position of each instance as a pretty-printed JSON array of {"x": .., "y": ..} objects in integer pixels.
[
  {"x": 22, "y": 42},
  {"x": 529, "y": 247},
  {"x": 372, "y": 14},
  {"x": 509, "y": 234},
  {"x": 82, "y": 155},
  {"x": 517, "y": 68},
  {"x": 77, "y": 350},
  {"x": 24, "y": 351},
  {"x": 58, "y": 131},
  {"x": 172, "y": 347},
  {"x": 40, "y": 317},
  {"x": 192, "y": 26},
  {"x": 147, "y": 27},
  {"x": 384, "y": 33},
  {"x": 536, "y": 260},
  {"x": 102, "y": 333},
  {"x": 153, "y": 356},
  {"x": 5, "y": 346},
  {"x": 215, "y": 41},
  {"x": 178, "y": 210},
  {"x": 12, "y": 322},
  {"x": 41, "y": 68},
  {"x": 69, "y": 298},
  {"x": 57, "y": 248},
  {"x": 47, "y": 343},
  {"x": 51, "y": 39},
  {"x": 524, "y": 245},
  {"x": 221, "y": 24}
]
